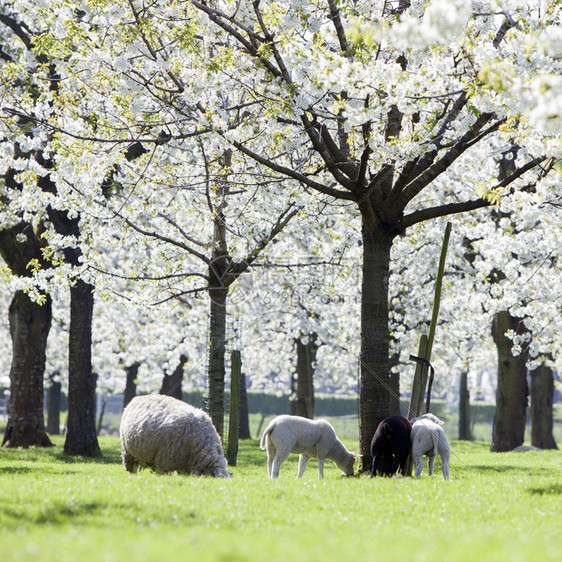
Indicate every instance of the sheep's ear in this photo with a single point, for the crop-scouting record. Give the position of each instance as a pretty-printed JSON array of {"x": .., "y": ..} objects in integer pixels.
[{"x": 359, "y": 455}]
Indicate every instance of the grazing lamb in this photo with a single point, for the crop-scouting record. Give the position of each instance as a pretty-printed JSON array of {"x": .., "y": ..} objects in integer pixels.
[
  {"x": 390, "y": 446},
  {"x": 168, "y": 435},
  {"x": 428, "y": 438},
  {"x": 308, "y": 438}
]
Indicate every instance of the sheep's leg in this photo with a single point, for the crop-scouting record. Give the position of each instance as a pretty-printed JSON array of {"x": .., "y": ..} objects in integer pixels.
[
  {"x": 271, "y": 452},
  {"x": 374, "y": 466},
  {"x": 320, "y": 467},
  {"x": 430, "y": 464},
  {"x": 303, "y": 460},
  {"x": 418, "y": 462},
  {"x": 277, "y": 462},
  {"x": 445, "y": 455},
  {"x": 131, "y": 465}
]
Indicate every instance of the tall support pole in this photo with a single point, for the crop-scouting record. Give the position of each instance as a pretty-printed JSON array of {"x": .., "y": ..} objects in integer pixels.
[{"x": 426, "y": 344}]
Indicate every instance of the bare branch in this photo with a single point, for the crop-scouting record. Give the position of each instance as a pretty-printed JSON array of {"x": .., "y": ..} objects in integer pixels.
[
  {"x": 426, "y": 176},
  {"x": 317, "y": 186},
  {"x": 441, "y": 211},
  {"x": 340, "y": 31}
]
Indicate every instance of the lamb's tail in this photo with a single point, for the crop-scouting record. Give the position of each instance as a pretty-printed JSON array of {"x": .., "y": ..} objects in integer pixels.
[{"x": 267, "y": 431}]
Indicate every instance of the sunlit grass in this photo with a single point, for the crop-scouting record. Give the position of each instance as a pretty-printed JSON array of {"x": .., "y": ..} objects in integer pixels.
[{"x": 494, "y": 507}]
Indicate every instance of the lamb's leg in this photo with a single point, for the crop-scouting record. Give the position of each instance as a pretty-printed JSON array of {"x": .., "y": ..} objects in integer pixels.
[
  {"x": 445, "y": 455},
  {"x": 271, "y": 452},
  {"x": 320, "y": 467},
  {"x": 277, "y": 462},
  {"x": 374, "y": 466},
  {"x": 418, "y": 462},
  {"x": 430, "y": 464},
  {"x": 303, "y": 460}
]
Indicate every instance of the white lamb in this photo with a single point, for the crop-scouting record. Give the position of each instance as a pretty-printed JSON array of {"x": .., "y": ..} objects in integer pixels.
[
  {"x": 428, "y": 438},
  {"x": 168, "y": 435},
  {"x": 308, "y": 438}
]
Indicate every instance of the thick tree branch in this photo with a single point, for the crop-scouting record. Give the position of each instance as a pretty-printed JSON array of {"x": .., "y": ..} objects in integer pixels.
[
  {"x": 441, "y": 211},
  {"x": 289, "y": 172},
  {"x": 415, "y": 186},
  {"x": 465, "y": 206},
  {"x": 340, "y": 31}
]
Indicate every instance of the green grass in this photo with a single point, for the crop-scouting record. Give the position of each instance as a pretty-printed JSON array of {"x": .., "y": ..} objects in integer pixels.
[{"x": 494, "y": 507}]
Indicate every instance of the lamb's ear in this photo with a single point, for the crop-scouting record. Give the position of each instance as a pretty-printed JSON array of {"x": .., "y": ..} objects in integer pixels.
[{"x": 359, "y": 455}]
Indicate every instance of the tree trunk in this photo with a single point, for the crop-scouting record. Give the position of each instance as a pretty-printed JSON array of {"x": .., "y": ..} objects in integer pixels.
[
  {"x": 375, "y": 339},
  {"x": 81, "y": 438},
  {"x": 306, "y": 356},
  {"x": 464, "y": 408},
  {"x": 511, "y": 395},
  {"x": 171, "y": 384},
  {"x": 132, "y": 372},
  {"x": 217, "y": 350},
  {"x": 53, "y": 406},
  {"x": 244, "y": 413},
  {"x": 394, "y": 386},
  {"x": 234, "y": 411},
  {"x": 542, "y": 395},
  {"x": 29, "y": 328}
]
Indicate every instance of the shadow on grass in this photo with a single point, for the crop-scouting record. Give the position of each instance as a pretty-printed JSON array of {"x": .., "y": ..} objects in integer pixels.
[
  {"x": 495, "y": 469},
  {"x": 554, "y": 489}
]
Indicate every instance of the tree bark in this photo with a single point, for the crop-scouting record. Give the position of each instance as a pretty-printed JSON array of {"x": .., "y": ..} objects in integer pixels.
[
  {"x": 542, "y": 397},
  {"x": 244, "y": 413},
  {"x": 53, "y": 407},
  {"x": 29, "y": 328},
  {"x": 464, "y": 408},
  {"x": 217, "y": 350},
  {"x": 394, "y": 386},
  {"x": 508, "y": 429},
  {"x": 375, "y": 338},
  {"x": 304, "y": 395},
  {"x": 234, "y": 412},
  {"x": 172, "y": 384},
  {"x": 81, "y": 438},
  {"x": 132, "y": 372}
]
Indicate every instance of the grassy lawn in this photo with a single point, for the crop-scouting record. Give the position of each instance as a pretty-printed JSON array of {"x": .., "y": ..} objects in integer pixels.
[{"x": 494, "y": 507}]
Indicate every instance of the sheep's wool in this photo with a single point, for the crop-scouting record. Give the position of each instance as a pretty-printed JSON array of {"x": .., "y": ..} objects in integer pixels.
[{"x": 167, "y": 435}]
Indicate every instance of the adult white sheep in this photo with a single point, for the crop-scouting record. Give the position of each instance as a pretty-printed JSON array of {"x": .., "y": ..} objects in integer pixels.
[
  {"x": 168, "y": 435},
  {"x": 428, "y": 438},
  {"x": 308, "y": 438}
]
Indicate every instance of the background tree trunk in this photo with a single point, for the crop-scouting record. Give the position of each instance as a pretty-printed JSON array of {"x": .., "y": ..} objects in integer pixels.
[
  {"x": 508, "y": 429},
  {"x": 53, "y": 406},
  {"x": 131, "y": 372},
  {"x": 464, "y": 408},
  {"x": 304, "y": 395},
  {"x": 234, "y": 412},
  {"x": 29, "y": 327},
  {"x": 172, "y": 384},
  {"x": 244, "y": 430},
  {"x": 217, "y": 349},
  {"x": 81, "y": 438},
  {"x": 375, "y": 339},
  {"x": 542, "y": 394}
]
